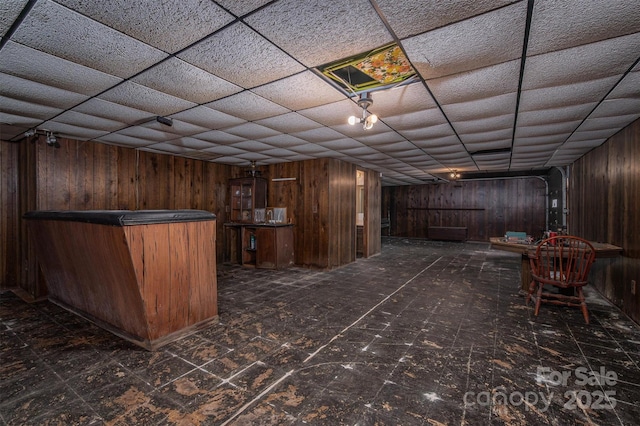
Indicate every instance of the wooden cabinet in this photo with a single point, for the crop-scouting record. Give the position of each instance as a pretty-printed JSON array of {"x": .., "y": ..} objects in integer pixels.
[
  {"x": 261, "y": 245},
  {"x": 248, "y": 199},
  {"x": 274, "y": 247}
]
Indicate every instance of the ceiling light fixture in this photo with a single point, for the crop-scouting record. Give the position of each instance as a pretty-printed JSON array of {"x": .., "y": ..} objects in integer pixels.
[
  {"x": 368, "y": 119},
  {"x": 454, "y": 174},
  {"x": 51, "y": 139}
]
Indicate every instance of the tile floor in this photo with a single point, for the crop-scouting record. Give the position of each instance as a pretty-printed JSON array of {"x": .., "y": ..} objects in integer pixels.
[{"x": 427, "y": 333}]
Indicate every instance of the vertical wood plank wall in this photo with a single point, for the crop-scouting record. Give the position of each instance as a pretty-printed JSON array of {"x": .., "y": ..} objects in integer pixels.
[
  {"x": 9, "y": 236},
  {"x": 372, "y": 239},
  {"x": 321, "y": 204},
  {"x": 604, "y": 205},
  {"x": 488, "y": 208},
  {"x": 87, "y": 176}
]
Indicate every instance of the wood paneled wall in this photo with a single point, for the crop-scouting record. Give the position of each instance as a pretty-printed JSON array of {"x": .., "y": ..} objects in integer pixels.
[
  {"x": 321, "y": 203},
  {"x": 604, "y": 205},
  {"x": 372, "y": 239},
  {"x": 87, "y": 176},
  {"x": 9, "y": 213},
  {"x": 488, "y": 208}
]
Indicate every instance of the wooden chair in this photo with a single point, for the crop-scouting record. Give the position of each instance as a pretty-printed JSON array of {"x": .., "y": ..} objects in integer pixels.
[{"x": 561, "y": 262}]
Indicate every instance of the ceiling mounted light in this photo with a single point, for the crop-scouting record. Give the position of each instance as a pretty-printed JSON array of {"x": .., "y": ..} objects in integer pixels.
[
  {"x": 368, "y": 119},
  {"x": 51, "y": 139},
  {"x": 454, "y": 174}
]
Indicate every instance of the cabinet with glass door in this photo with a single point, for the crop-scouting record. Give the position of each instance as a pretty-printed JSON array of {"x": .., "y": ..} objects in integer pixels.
[{"x": 248, "y": 199}]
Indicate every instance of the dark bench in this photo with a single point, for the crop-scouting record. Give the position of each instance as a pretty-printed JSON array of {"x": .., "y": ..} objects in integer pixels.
[
  {"x": 447, "y": 233},
  {"x": 385, "y": 223}
]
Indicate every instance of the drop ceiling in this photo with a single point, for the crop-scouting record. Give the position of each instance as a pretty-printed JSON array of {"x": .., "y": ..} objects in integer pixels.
[{"x": 501, "y": 86}]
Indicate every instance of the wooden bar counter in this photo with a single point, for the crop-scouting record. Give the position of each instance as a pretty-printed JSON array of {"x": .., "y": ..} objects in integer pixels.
[
  {"x": 148, "y": 276},
  {"x": 603, "y": 250}
]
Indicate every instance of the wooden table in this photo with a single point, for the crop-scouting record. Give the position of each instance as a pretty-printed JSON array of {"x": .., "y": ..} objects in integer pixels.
[{"x": 603, "y": 250}]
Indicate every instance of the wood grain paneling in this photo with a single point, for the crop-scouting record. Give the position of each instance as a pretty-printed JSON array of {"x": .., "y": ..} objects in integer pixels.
[
  {"x": 488, "y": 208},
  {"x": 321, "y": 203},
  {"x": 604, "y": 206},
  {"x": 146, "y": 283},
  {"x": 9, "y": 235},
  {"x": 372, "y": 239},
  {"x": 89, "y": 176}
]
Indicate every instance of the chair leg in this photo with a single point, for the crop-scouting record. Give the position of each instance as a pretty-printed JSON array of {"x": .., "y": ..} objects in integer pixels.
[
  {"x": 583, "y": 305},
  {"x": 538, "y": 299},
  {"x": 532, "y": 288}
]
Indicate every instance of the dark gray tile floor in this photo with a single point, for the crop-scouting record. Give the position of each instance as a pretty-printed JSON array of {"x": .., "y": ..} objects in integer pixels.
[{"x": 427, "y": 333}]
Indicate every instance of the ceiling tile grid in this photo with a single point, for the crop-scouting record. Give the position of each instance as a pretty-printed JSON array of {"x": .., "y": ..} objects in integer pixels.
[{"x": 239, "y": 80}]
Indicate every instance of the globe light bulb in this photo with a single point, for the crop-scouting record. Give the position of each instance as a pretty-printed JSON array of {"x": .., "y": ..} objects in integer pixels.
[{"x": 352, "y": 120}]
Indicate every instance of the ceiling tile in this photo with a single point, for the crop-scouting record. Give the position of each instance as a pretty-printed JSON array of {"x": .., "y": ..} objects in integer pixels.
[
  {"x": 611, "y": 57},
  {"x": 564, "y": 128},
  {"x": 192, "y": 143},
  {"x": 289, "y": 123},
  {"x": 615, "y": 107},
  {"x": 146, "y": 99},
  {"x": 32, "y": 92},
  {"x": 343, "y": 29},
  {"x": 49, "y": 27},
  {"x": 478, "y": 42},
  {"x": 18, "y": 107},
  {"x": 251, "y": 131},
  {"x": 485, "y": 124},
  {"x": 219, "y": 137},
  {"x": 374, "y": 139},
  {"x": 436, "y": 131},
  {"x": 283, "y": 141},
  {"x": 415, "y": 120},
  {"x": 341, "y": 144},
  {"x": 112, "y": 111},
  {"x": 169, "y": 26},
  {"x": 240, "y": 55},
  {"x": 408, "y": 17},
  {"x": 124, "y": 140},
  {"x": 322, "y": 134},
  {"x": 404, "y": 99},
  {"x": 477, "y": 84},
  {"x": 559, "y": 25},
  {"x": 248, "y": 106},
  {"x": 79, "y": 119},
  {"x": 481, "y": 108},
  {"x": 207, "y": 118},
  {"x": 18, "y": 120},
  {"x": 629, "y": 87},
  {"x": 333, "y": 114},
  {"x": 567, "y": 95},
  {"x": 252, "y": 145},
  {"x": 184, "y": 81},
  {"x": 9, "y": 11},
  {"x": 243, "y": 7},
  {"x": 31, "y": 64},
  {"x": 309, "y": 89},
  {"x": 398, "y": 147},
  {"x": 496, "y": 135},
  {"x": 555, "y": 115},
  {"x": 225, "y": 150},
  {"x": 310, "y": 148}
]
